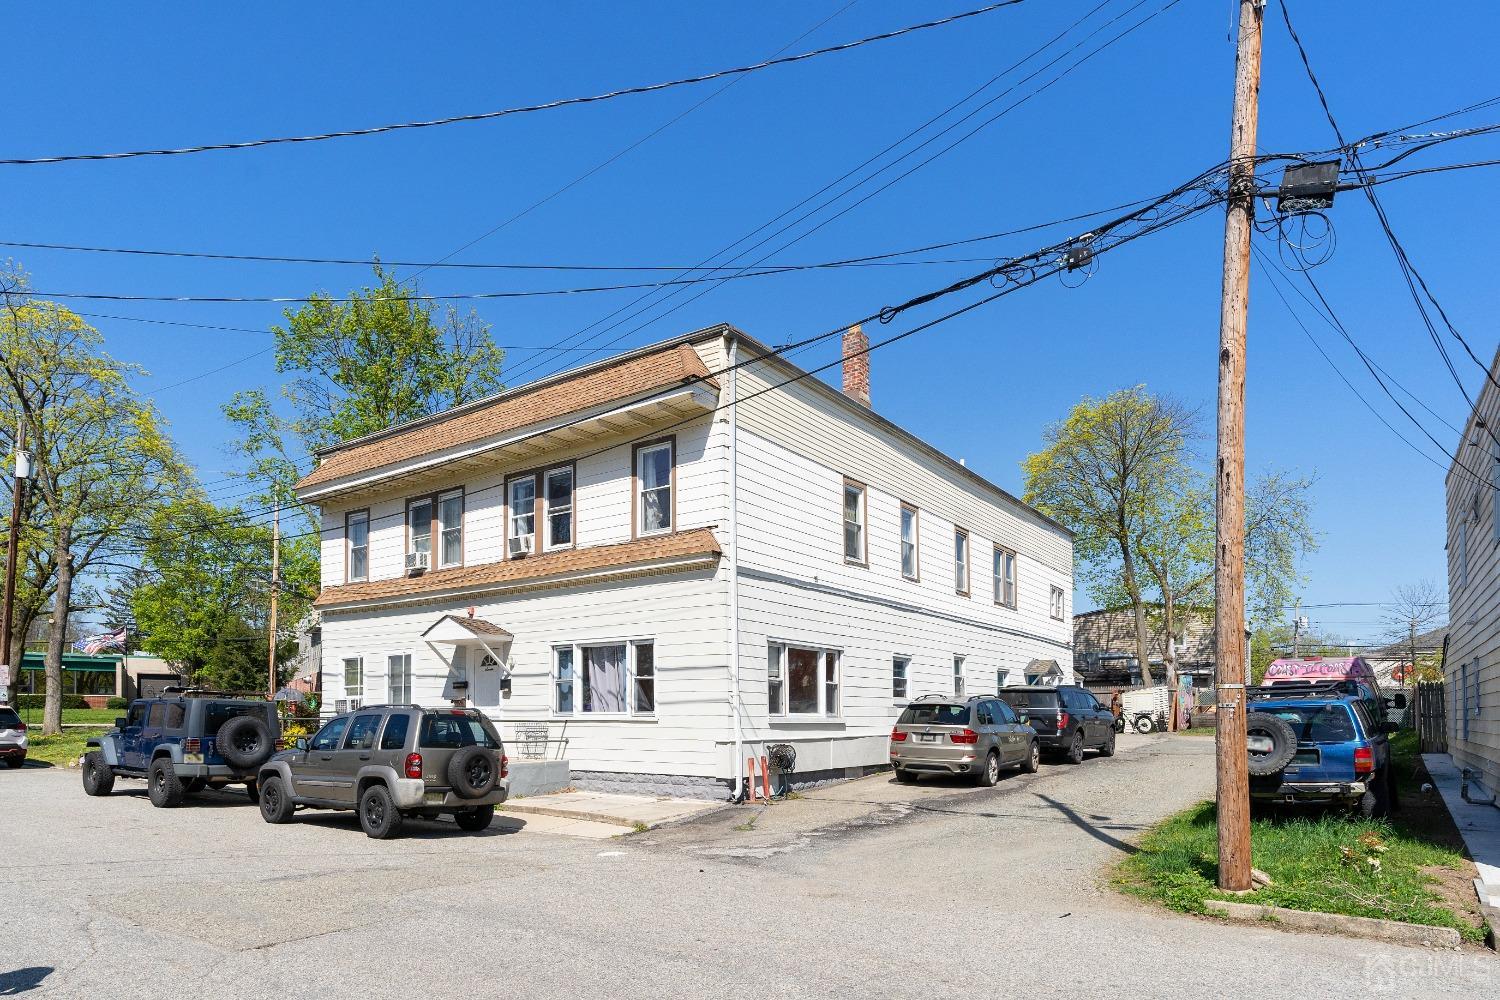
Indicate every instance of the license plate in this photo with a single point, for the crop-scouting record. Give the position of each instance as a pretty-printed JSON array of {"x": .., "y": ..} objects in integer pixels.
[
  {"x": 1260, "y": 744},
  {"x": 433, "y": 798},
  {"x": 928, "y": 737},
  {"x": 192, "y": 758}
]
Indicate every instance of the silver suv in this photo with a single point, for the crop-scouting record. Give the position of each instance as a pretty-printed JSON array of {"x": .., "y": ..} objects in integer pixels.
[
  {"x": 979, "y": 736},
  {"x": 390, "y": 762}
]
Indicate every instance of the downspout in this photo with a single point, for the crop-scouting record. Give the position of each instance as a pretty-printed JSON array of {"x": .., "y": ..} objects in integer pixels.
[{"x": 734, "y": 570}]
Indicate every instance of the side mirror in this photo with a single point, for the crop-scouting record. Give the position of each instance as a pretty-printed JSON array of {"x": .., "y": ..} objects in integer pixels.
[
  {"x": 1023, "y": 719},
  {"x": 1396, "y": 701},
  {"x": 301, "y": 744},
  {"x": 120, "y": 722}
]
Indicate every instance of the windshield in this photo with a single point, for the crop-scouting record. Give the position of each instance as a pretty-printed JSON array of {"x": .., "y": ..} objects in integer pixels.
[
  {"x": 1030, "y": 699},
  {"x": 935, "y": 715},
  {"x": 9, "y": 719},
  {"x": 1317, "y": 723},
  {"x": 451, "y": 731}
]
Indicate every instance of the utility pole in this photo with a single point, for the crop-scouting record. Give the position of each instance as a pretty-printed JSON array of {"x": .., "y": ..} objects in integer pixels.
[
  {"x": 1229, "y": 528},
  {"x": 12, "y": 559},
  {"x": 1297, "y": 631},
  {"x": 1411, "y": 645},
  {"x": 275, "y": 591}
]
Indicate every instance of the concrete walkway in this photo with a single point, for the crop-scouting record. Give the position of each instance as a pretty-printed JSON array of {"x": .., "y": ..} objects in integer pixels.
[
  {"x": 1478, "y": 824},
  {"x": 607, "y": 810}
]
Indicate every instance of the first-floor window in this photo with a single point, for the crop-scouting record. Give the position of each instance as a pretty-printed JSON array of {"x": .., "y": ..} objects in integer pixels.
[
  {"x": 615, "y": 678},
  {"x": 900, "y": 668},
  {"x": 1056, "y": 604},
  {"x": 354, "y": 677},
  {"x": 1001, "y": 676},
  {"x": 958, "y": 676},
  {"x": 398, "y": 679},
  {"x": 804, "y": 680}
]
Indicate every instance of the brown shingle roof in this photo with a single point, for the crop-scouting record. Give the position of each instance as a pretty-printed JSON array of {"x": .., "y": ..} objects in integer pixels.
[
  {"x": 622, "y": 555},
  {"x": 474, "y": 626},
  {"x": 518, "y": 408}
]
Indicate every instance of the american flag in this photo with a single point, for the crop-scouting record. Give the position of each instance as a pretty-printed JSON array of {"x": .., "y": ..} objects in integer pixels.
[{"x": 94, "y": 644}]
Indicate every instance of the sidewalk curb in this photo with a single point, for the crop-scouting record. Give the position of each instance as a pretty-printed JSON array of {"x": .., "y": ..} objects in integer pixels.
[{"x": 1336, "y": 923}]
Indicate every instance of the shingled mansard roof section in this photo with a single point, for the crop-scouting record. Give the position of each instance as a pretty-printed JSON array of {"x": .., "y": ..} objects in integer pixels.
[
  {"x": 680, "y": 552},
  {"x": 618, "y": 379}
]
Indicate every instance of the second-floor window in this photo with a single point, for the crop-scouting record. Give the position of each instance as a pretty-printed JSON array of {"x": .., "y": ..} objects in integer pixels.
[
  {"x": 654, "y": 481},
  {"x": 1055, "y": 605},
  {"x": 1005, "y": 577},
  {"x": 909, "y": 568},
  {"x": 854, "y": 522},
  {"x": 961, "y": 561},
  {"x": 435, "y": 526},
  {"x": 520, "y": 531},
  {"x": 958, "y": 676},
  {"x": 548, "y": 507},
  {"x": 357, "y": 533},
  {"x": 559, "y": 495}
]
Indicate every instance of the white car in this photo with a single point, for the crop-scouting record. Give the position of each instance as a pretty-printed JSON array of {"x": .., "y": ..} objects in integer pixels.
[{"x": 13, "y": 744}]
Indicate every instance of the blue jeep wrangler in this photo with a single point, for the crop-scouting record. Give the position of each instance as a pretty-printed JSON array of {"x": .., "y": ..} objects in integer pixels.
[
  {"x": 182, "y": 743},
  {"x": 1316, "y": 744}
]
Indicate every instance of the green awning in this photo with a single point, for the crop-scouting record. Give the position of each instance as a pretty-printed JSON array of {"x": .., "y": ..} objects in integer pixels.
[{"x": 79, "y": 662}]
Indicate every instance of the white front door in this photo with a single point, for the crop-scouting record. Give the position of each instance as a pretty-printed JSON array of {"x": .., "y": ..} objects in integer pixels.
[{"x": 484, "y": 683}]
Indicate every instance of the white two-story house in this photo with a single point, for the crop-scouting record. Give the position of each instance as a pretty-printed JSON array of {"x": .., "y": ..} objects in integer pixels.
[{"x": 674, "y": 558}]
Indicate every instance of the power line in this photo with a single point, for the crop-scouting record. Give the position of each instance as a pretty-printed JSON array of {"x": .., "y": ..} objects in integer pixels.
[
  {"x": 889, "y": 148},
  {"x": 525, "y": 109}
]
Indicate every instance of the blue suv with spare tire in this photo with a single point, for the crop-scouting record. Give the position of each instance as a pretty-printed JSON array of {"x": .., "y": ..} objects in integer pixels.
[
  {"x": 1316, "y": 744},
  {"x": 182, "y": 743}
]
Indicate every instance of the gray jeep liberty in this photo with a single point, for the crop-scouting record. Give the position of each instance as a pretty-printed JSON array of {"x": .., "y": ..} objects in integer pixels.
[{"x": 389, "y": 762}]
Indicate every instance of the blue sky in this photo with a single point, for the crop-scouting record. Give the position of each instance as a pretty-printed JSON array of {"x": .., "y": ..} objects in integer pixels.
[{"x": 1136, "y": 120}]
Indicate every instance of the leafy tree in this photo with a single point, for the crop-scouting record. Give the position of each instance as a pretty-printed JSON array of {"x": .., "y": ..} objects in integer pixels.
[
  {"x": 203, "y": 603},
  {"x": 381, "y": 357},
  {"x": 1101, "y": 473},
  {"x": 1416, "y": 607},
  {"x": 102, "y": 458}
]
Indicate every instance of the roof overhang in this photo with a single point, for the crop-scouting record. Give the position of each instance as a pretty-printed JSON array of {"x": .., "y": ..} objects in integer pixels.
[{"x": 625, "y": 419}]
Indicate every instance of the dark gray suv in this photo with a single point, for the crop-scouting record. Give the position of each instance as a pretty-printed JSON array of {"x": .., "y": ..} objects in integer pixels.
[
  {"x": 389, "y": 762},
  {"x": 979, "y": 736}
]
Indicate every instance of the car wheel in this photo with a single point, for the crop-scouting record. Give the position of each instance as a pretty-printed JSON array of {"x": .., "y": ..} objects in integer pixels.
[
  {"x": 991, "y": 773},
  {"x": 275, "y": 804},
  {"x": 15, "y": 762},
  {"x": 1033, "y": 759},
  {"x": 98, "y": 779},
  {"x": 163, "y": 785},
  {"x": 906, "y": 777},
  {"x": 377, "y": 813},
  {"x": 473, "y": 771},
  {"x": 475, "y": 819},
  {"x": 1108, "y": 749},
  {"x": 1075, "y": 749},
  {"x": 1376, "y": 802},
  {"x": 1144, "y": 724},
  {"x": 245, "y": 741},
  {"x": 1277, "y": 743}
]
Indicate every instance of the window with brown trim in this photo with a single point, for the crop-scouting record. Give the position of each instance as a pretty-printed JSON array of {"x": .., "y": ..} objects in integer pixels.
[
  {"x": 357, "y": 545},
  {"x": 654, "y": 500},
  {"x": 450, "y": 528},
  {"x": 961, "y": 561},
  {"x": 520, "y": 515},
  {"x": 1005, "y": 577},
  {"x": 910, "y": 543},
  {"x": 557, "y": 493},
  {"x": 419, "y": 526},
  {"x": 855, "y": 517}
]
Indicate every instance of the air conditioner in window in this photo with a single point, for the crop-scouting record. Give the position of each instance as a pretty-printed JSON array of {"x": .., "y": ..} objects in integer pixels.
[
  {"x": 342, "y": 705},
  {"x": 416, "y": 562},
  {"x": 522, "y": 545}
]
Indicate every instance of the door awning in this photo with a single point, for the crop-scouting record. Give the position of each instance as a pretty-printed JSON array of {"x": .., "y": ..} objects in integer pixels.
[{"x": 456, "y": 629}]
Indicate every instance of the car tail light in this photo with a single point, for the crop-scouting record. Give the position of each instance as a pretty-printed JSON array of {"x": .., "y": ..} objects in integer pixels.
[
  {"x": 1062, "y": 721},
  {"x": 413, "y": 765},
  {"x": 898, "y": 735},
  {"x": 1364, "y": 760},
  {"x": 504, "y": 765},
  {"x": 20, "y": 727},
  {"x": 967, "y": 736},
  {"x": 191, "y": 745},
  {"x": 280, "y": 743}
]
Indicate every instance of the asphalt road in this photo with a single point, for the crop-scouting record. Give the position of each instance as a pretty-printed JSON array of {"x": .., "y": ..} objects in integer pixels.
[{"x": 866, "y": 889}]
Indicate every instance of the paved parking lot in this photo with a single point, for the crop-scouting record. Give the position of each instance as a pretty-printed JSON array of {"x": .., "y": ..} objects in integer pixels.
[{"x": 865, "y": 889}]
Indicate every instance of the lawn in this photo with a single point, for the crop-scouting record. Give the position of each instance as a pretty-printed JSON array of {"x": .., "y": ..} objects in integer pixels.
[
  {"x": 60, "y": 750},
  {"x": 1410, "y": 868},
  {"x": 92, "y": 716}
]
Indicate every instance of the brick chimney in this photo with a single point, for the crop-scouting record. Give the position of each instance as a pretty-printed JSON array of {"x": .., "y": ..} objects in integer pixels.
[{"x": 857, "y": 365}]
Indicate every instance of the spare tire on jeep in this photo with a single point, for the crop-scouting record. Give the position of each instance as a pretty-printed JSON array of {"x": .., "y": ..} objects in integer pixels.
[
  {"x": 473, "y": 771},
  {"x": 1270, "y": 742},
  {"x": 245, "y": 741}
]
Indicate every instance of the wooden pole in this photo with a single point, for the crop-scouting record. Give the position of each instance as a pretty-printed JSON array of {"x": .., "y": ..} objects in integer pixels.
[
  {"x": 1229, "y": 529},
  {"x": 275, "y": 590},
  {"x": 12, "y": 561}
]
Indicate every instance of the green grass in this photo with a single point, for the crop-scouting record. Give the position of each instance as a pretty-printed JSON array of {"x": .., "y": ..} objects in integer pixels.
[
  {"x": 1330, "y": 863},
  {"x": 59, "y": 750},
  {"x": 97, "y": 716}
]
